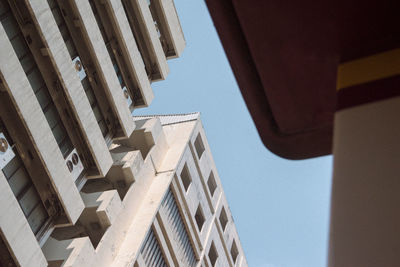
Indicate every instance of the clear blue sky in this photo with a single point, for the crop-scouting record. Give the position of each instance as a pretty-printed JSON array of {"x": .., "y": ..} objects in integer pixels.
[{"x": 280, "y": 207}]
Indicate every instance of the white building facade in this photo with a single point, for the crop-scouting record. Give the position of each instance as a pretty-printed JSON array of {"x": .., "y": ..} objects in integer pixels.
[{"x": 83, "y": 183}]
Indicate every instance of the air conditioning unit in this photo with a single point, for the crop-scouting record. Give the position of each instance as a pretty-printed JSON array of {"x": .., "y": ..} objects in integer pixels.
[
  {"x": 79, "y": 68},
  {"x": 6, "y": 152},
  {"x": 127, "y": 96},
  {"x": 74, "y": 164}
]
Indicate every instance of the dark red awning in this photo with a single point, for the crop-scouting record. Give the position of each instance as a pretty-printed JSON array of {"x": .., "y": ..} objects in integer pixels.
[{"x": 285, "y": 54}]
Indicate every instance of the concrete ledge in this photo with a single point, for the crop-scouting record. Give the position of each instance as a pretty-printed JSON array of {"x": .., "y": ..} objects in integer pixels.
[
  {"x": 25, "y": 102},
  {"x": 79, "y": 103},
  {"x": 149, "y": 133},
  {"x": 150, "y": 139},
  {"x": 16, "y": 231},
  {"x": 130, "y": 50},
  {"x": 127, "y": 164},
  {"x": 69, "y": 253},
  {"x": 93, "y": 38},
  {"x": 106, "y": 204},
  {"x": 101, "y": 211}
]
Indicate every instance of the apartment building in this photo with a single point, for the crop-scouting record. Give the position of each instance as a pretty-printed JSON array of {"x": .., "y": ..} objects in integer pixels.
[{"x": 83, "y": 183}]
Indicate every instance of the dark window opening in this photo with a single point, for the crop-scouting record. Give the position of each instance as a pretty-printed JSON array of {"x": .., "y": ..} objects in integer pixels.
[
  {"x": 212, "y": 185},
  {"x": 223, "y": 219},
  {"x": 212, "y": 254},
  {"x": 234, "y": 251},
  {"x": 199, "y": 216},
  {"x": 185, "y": 177},
  {"x": 198, "y": 144}
]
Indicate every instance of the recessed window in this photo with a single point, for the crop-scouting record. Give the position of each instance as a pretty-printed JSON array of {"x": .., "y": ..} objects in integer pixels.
[
  {"x": 234, "y": 251},
  {"x": 199, "y": 216},
  {"x": 223, "y": 219},
  {"x": 212, "y": 254},
  {"x": 212, "y": 185},
  {"x": 185, "y": 177},
  {"x": 198, "y": 144}
]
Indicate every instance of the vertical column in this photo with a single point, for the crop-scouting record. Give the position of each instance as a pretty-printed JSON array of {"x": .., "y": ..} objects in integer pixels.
[
  {"x": 143, "y": 11},
  {"x": 143, "y": 27},
  {"x": 73, "y": 88},
  {"x": 164, "y": 12},
  {"x": 16, "y": 231},
  {"x": 365, "y": 217},
  {"x": 130, "y": 49},
  {"x": 25, "y": 102},
  {"x": 87, "y": 22}
]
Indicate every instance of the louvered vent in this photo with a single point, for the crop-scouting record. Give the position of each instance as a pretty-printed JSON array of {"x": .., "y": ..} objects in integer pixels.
[
  {"x": 177, "y": 227},
  {"x": 151, "y": 251}
]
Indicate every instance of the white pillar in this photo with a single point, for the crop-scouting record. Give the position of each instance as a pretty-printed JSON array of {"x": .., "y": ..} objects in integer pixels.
[{"x": 365, "y": 209}]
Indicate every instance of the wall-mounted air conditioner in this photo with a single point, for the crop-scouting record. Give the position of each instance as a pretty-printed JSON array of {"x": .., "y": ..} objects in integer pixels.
[
  {"x": 79, "y": 68},
  {"x": 6, "y": 152},
  {"x": 127, "y": 96},
  {"x": 74, "y": 164}
]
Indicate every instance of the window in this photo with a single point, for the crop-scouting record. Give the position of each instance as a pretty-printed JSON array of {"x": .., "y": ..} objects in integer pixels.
[
  {"x": 212, "y": 254},
  {"x": 199, "y": 216},
  {"x": 198, "y": 144},
  {"x": 223, "y": 219},
  {"x": 234, "y": 251},
  {"x": 212, "y": 185},
  {"x": 185, "y": 177}
]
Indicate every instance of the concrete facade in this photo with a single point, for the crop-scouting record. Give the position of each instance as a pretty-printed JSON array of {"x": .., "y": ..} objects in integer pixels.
[{"x": 83, "y": 182}]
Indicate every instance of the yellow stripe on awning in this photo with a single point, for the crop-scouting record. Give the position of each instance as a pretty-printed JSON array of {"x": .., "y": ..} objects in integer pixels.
[{"x": 368, "y": 69}]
